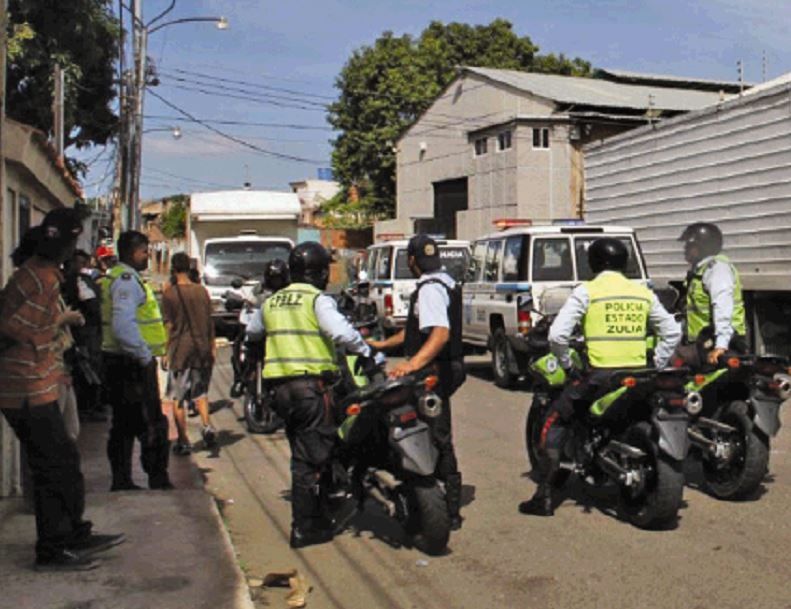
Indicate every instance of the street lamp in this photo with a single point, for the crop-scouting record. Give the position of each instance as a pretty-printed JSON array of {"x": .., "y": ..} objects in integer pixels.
[
  {"x": 174, "y": 131},
  {"x": 131, "y": 180}
]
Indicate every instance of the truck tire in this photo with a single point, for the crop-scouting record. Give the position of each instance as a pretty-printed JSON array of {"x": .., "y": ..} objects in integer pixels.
[
  {"x": 743, "y": 474},
  {"x": 657, "y": 504},
  {"x": 501, "y": 360}
]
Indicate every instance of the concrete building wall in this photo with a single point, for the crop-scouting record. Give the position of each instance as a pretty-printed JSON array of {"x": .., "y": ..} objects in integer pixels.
[{"x": 437, "y": 148}]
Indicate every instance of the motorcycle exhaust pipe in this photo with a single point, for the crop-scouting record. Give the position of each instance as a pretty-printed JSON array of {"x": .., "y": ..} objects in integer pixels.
[
  {"x": 694, "y": 403},
  {"x": 783, "y": 382},
  {"x": 429, "y": 405}
]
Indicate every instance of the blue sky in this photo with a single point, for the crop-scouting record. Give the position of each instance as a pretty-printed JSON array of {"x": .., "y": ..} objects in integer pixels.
[{"x": 301, "y": 46}]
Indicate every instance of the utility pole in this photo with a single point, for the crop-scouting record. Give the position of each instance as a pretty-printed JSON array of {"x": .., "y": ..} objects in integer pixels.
[
  {"x": 140, "y": 40},
  {"x": 57, "y": 111},
  {"x": 4, "y": 215}
]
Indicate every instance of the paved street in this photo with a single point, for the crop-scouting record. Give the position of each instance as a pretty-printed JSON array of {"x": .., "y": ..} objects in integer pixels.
[{"x": 721, "y": 554}]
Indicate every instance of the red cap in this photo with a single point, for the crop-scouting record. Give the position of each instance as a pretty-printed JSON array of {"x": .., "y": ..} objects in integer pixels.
[{"x": 104, "y": 251}]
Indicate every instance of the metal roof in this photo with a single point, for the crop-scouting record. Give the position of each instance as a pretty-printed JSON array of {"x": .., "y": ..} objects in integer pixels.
[
  {"x": 729, "y": 86},
  {"x": 599, "y": 93}
]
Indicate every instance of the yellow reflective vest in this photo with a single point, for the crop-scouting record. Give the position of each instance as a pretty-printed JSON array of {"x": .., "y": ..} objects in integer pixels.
[
  {"x": 616, "y": 322},
  {"x": 699, "y": 309},
  {"x": 295, "y": 346},
  {"x": 149, "y": 317}
]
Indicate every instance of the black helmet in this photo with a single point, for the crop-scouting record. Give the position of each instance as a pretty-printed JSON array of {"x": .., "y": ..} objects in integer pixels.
[
  {"x": 309, "y": 263},
  {"x": 607, "y": 254},
  {"x": 276, "y": 275},
  {"x": 707, "y": 237}
]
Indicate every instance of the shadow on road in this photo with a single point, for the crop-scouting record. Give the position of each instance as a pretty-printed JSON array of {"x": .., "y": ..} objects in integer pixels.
[
  {"x": 224, "y": 438},
  {"x": 483, "y": 371}
]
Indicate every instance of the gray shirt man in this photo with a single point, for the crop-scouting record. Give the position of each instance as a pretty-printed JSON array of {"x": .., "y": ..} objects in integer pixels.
[{"x": 667, "y": 329}]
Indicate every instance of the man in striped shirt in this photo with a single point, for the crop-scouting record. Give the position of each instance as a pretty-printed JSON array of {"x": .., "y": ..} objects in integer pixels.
[{"x": 30, "y": 317}]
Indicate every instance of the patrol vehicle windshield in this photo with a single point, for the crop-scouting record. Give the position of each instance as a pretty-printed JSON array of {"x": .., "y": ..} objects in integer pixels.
[
  {"x": 584, "y": 273},
  {"x": 454, "y": 259},
  {"x": 245, "y": 260}
]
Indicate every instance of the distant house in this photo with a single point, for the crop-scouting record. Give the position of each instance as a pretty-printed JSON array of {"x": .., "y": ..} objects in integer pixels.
[
  {"x": 508, "y": 144},
  {"x": 36, "y": 182},
  {"x": 312, "y": 194}
]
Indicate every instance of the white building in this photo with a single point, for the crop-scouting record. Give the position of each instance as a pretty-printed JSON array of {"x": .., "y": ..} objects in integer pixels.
[
  {"x": 508, "y": 144},
  {"x": 312, "y": 194}
]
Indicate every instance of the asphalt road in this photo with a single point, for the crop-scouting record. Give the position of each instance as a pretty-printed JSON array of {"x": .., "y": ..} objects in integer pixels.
[{"x": 721, "y": 555}]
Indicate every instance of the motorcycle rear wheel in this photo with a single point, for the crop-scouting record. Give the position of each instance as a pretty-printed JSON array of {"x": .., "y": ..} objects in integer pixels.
[
  {"x": 428, "y": 522},
  {"x": 534, "y": 424},
  {"x": 260, "y": 418},
  {"x": 743, "y": 475},
  {"x": 657, "y": 506}
]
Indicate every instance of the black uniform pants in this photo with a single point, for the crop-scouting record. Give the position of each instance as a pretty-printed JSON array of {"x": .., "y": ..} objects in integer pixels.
[
  {"x": 581, "y": 391},
  {"x": 305, "y": 404},
  {"x": 133, "y": 391},
  {"x": 58, "y": 484}
]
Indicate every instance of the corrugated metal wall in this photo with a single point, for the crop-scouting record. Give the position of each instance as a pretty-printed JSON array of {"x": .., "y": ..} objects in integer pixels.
[{"x": 729, "y": 164}]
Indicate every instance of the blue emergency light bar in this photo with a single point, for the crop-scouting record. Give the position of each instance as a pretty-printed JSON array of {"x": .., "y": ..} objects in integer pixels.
[{"x": 568, "y": 222}]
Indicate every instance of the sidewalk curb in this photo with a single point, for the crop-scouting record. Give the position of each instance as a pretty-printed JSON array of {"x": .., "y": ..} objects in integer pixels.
[{"x": 242, "y": 600}]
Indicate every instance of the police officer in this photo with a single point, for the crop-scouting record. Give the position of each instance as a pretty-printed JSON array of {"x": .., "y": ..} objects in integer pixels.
[
  {"x": 133, "y": 335},
  {"x": 432, "y": 336},
  {"x": 301, "y": 326},
  {"x": 615, "y": 314},
  {"x": 715, "y": 306}
]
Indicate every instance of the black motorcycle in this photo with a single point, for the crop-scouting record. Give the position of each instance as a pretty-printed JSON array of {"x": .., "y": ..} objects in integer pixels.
[
  {"x": 386, "y": 452},
  {"x": 247, "y": 358},
  {"x": 634, "y": 434},
  {"x": 738, "y": 415}
]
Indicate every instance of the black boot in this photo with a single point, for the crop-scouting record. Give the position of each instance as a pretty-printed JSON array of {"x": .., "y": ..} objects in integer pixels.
[
  {"x": 307, "y": 528},
  {"x": 453, "y": 499},
  {"x": 541, "y": 503}
]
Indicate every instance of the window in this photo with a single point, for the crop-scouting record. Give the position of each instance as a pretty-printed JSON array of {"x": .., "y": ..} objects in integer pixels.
[
  {"x": 514, "y": 259},
  {"x": 504, "y": 140},
  {"x": 480, "y": 146},
  {"x": 477, "y": 262},
  {"x": 492, "y": 266},
  {"x": 584, "y": 273},
  {"x": 24, "y": 215},
  {"x": 383, "y": 263},
  {"x": 541, "y": 138},
  {"x": 11, "y": 202},
  {"x": 552, "y": 260}
]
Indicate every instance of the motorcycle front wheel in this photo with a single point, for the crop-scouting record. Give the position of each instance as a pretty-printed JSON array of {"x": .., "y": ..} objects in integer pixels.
[
  {"x": 428, "y": 522},
  {"x": 260, "y": 417},
  {"x": 748, "y": 463},
  {"x": 655, "y": 505}
]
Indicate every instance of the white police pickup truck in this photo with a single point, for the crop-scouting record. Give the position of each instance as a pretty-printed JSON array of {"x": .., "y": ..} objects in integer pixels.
[
  {"x": 392, "y": 282},
  {"x": 522, "y": 271}
]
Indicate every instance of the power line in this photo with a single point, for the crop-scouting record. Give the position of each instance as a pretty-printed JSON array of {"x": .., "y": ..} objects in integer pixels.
[
  {"x": 161, "y": 172},
  {"x": 245, "y": 98},
  {"x": 239, "y": 141},
  {"x": 216, "y": 121},
  {"x": 252, "y": 84},
  {"x": 245, "y": 91}
]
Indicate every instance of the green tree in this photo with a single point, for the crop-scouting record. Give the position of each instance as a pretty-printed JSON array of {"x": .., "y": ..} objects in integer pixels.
[
  {"x": 81, "y": 36},
  {"x": 383, "y": 89},
  {"x": 173, "y": 220}
]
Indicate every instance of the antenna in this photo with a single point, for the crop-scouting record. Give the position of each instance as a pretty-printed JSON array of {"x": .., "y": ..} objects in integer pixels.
[
  {"x": 763, "y": 66},
  {"x": 740, "y": 68}
]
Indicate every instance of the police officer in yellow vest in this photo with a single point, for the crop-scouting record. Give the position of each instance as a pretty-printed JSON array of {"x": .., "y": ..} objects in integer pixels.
[
  {"x": 714, "y": 302},
  {"x": 133, "y": 335},
  {"x": 615, "y": 313},
  {"x": 302, "y": 327}
]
